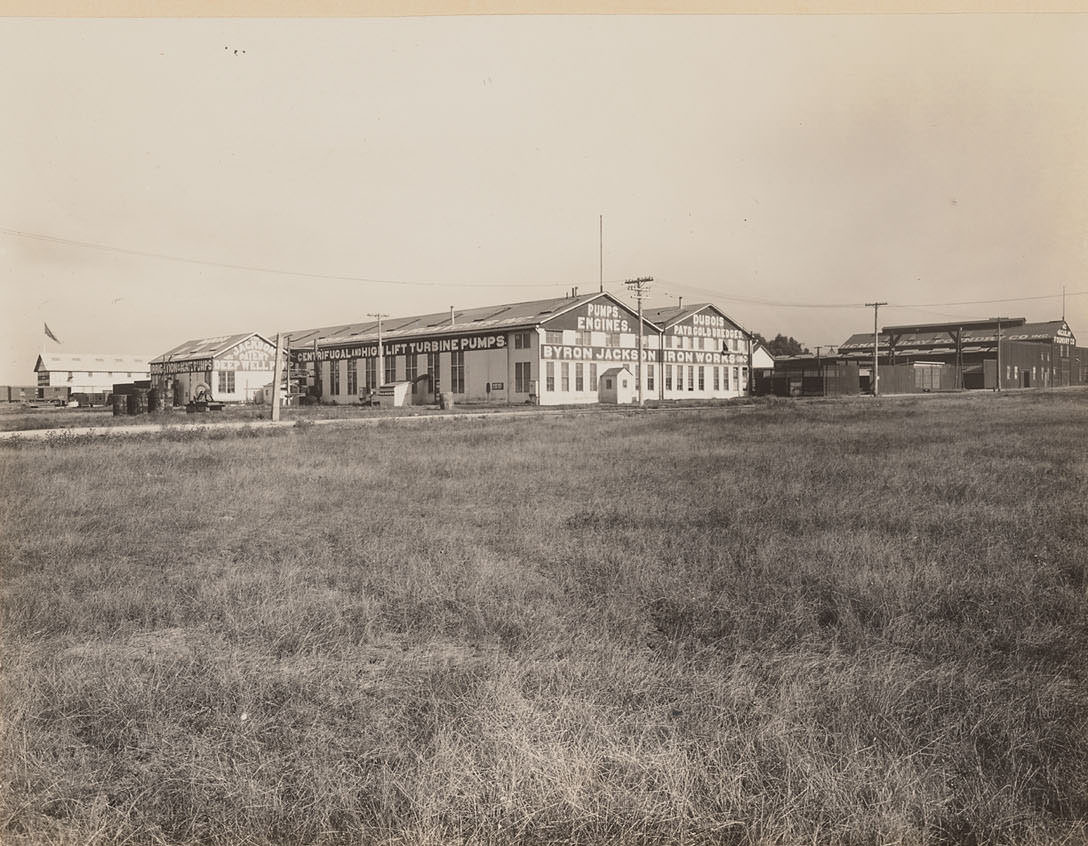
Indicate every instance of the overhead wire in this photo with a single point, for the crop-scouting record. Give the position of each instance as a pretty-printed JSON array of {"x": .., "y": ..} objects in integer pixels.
[
  {"x": 615, "y": 285},
  {"x": 334, "y": 277}
]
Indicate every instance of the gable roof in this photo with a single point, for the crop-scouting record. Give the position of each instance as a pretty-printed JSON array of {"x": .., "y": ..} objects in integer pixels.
[
  {"x": 668, "y": 316},
  {"x": 505, "y": 317},
  {"x": 206, "y": 347},
  {"x": 91, "y": 362}
]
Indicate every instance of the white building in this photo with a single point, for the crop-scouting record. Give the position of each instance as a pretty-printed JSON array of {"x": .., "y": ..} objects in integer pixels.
[
  {"x": 761, "y": 357},
  {"x": 552, "y": 352},
  {"x": 229, "y": 368},
  {"x": 87, "y": 373},
  {"x": 705, "y": 354}
]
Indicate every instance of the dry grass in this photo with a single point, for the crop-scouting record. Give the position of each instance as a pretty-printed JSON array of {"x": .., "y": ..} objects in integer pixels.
[{"x": 840, "y": 622}]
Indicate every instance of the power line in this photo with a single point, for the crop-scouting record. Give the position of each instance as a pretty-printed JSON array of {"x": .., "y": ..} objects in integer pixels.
[
  {"x": 986, "y": 302},
  {"x": 334, "y": 277},
  {"x": 613, "y": 284},
  {"x": 780, "y": 304}
]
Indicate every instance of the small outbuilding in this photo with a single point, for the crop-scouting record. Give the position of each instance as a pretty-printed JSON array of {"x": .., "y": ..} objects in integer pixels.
[{"x": 617, "y": 386}]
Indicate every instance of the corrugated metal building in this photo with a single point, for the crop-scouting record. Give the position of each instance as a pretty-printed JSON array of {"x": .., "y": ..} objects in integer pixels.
[
  {"x": 551, "y": 352},
  {"x": 90, "y": 373},
  {"x": 228, "y": 368},
  {"x": 1032, "y": 354}
]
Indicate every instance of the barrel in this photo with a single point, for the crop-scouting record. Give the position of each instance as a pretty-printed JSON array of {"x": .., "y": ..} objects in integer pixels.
[
  {"x": 154, "y": 401},
  {"x": 120, "y": 405},
  {"x": 137, "y": 401},
  {"x": 445, "y": 400}
]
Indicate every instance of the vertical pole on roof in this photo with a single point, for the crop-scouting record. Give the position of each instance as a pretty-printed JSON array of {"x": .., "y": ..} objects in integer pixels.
[
  {"x": 876, "y": 348},
  {"x": 381, "y": 353},
  {"x": 276, "y": 378},
  {"x": 602, "y": 266}
]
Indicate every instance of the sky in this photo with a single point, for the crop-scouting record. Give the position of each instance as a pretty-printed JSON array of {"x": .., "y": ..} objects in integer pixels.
[{"x": 173, "y": 179}]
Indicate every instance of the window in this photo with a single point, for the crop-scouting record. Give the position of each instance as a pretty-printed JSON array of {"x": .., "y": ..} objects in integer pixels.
[
  {"x": 432, "y": 369},
  {"x": 702, "y": 378},
  {"x": 226, "y": 381},
  {"x": 89, "y": 373},
  {"x": 579, "y": 377},
  {"x": 549, "y": 378},
  {"x": 743, "y": 384},
  {"x": 668, "y": 377},
  {"x": 411, "y": 366},
  {"x": 736, "y": 377},
  {"x": 390, "y": 368},
  {"x": 565, "y": 371},
  {"x": 611, "y": 339},
  {"x": 608, "y": 383},
  {"x": 717, "y": 378},
  {"x": 457, "y": 371},
  {"x": 353, "y": 376},
  {"x": 593, "y": 376},
  {"x": 553, "y": 337},
  {"x": 334, "y": 377},
  {"x": 691, "y": 377},
  {"x": 583, "y": 338},
  {"x": 522, "y": 341},
  {"x": 371, "y": 373},
  {"x": 522, "y": 374},
  {"x": 649, "y": 377}
]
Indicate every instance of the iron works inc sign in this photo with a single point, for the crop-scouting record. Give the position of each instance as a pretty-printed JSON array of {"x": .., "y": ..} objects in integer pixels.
[{"x": 459, "y": 343}]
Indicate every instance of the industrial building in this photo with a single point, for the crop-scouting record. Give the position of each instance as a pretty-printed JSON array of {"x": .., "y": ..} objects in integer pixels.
[
  {"x": 1005, "y": 353},
  {"x": 63, "y": 375},
  {"x": 552, "y": 352},
  {"x": 228, "y": 368}
]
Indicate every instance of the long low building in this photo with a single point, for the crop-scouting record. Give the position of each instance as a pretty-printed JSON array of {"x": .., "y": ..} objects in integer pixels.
[
  {"x": 1006, "y": 353},
  {"x": 86, "y": 373},
  {"x": 552, "y": 352}
]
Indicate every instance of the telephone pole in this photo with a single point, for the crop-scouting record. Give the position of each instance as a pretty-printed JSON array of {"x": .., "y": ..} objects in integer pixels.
[
  {"x": 381, "y": 356},
  {"x": 276, "y": 377},
  {"x": 639, "y": 287},
  {"x": 1000, "y": 375},
  {"x": 876, "y": 348}
]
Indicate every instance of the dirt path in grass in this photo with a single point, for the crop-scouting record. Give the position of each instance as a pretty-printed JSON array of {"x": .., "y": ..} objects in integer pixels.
[{"x": 158, "y": 428}]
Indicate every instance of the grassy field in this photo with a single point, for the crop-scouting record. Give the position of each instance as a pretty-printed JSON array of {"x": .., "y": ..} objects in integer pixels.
[{"x": 853, "y": 622}]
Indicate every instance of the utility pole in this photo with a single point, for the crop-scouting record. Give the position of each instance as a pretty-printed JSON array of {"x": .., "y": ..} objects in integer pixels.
[
  {"x": 639, "y": 287},
  {"x": 602, "y": 257},
  {"x": 381, "y": 356},
  {"x": 876, "y": 348},
  {"x": 276, "y": 378},
  {"x": 999, "y": 374},
  {"x": 287, "y": 369}
]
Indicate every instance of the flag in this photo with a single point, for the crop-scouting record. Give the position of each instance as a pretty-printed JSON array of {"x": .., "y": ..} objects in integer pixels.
[{"x": 50, "y": 334}]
